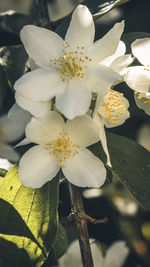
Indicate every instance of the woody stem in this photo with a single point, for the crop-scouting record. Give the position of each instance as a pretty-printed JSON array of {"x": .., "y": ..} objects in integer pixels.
[{"x": 81, "y": 224}]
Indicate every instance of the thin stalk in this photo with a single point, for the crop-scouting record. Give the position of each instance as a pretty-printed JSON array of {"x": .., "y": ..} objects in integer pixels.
[{"x": 81, "y": 224}]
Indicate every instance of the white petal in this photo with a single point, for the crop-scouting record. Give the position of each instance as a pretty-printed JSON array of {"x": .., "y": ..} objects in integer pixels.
[
  {"x": 102, "y": 136},
  {"x": 45, "y": 129},
  {"x": 7, "y": 152},
  {"x": 82, "y": 131},
  {"x": 107, "y": 45},
  {"x": 41, "y": 44},
  {"x": 40, "y": 85},
  {"x": 138, "y": 79},
  {"x": 121, "y": 63},
  {"x": 121, "y": 49},
  {"x": 143, "y": 103},
  {"x": 37, "y": 109},
  {"x": 76, "y": 99},
  {"x": 100, "y": 78},
  {"x": 37, "y": 167},
  {"x": 32, "y": 64},
  {"x": 84, "y": 169},
  {"x": 81, "y": 30},
  {"x": 116, "y": 254},
  {"x": 123, "y": 117},
  {"x": 141, "y": 50}
]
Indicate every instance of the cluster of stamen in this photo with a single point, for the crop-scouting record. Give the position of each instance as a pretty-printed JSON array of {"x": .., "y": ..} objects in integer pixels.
[
  {"x": 113, "y": 107},
  {"x": 62, "y": 148},
  {"x": 140, "y": 96},
  {"x": 71, "y": 63}
]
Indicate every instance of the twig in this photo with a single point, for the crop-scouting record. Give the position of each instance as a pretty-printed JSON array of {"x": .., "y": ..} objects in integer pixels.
[{"x": 81, "y": 224}]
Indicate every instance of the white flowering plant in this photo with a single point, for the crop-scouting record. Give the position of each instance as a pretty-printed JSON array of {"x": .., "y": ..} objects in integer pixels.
[{"x": 64, "y": 82}]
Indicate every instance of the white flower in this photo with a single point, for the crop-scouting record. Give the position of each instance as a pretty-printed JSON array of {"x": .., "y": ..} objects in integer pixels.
[
  {"x": 138, "y": 77},
  {"x": 70, "y": 69},
  {"x": 115, "y": 256},
  {"x": 113, "y": 112},
  {"x": 62, "y": 145}
]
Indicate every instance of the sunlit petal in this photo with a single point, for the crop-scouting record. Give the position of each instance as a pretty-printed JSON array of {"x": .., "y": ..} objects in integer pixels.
[
  {"x": 81, "y": 30},
  {"x": 41, "y": 44},
  {"x": 85, "y": 170},
  {"x": 37, "y": 167}
]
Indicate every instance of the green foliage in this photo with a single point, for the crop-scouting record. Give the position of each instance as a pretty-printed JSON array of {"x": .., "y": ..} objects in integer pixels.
[
  {"x": 58, "y": 248},
  {"x": 14, "y": 59},
  {"x": 13, "y": 22},
  {"x": 3, "y": 85},
  {"x": 29, "y": 221},
  {"x": 3, "y": 172},
  {"x": 100, "y": 10},
  {"x": 131, "y": 164}
]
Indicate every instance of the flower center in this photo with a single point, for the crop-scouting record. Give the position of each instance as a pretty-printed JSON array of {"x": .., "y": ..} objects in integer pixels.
[
  {"x": 113, "y": 107},
  {"x": 62, "y": 148},
  {"x": 71, "y": 63}
]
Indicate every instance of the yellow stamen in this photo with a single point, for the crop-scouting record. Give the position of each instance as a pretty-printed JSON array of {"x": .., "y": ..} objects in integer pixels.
[
  {"x": 62, "y": 148},
  {"x": 71, "y": 64},
  {"x": 113, "y": 107}
]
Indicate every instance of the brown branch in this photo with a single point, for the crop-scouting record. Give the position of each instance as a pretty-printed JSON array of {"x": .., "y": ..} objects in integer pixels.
[{"x": 81, "y": 225}]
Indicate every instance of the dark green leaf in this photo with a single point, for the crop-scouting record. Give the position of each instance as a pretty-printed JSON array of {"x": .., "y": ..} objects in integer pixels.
[
  {"x": 3, "y": 85},
  {"x": 13, "y": 22},
  {"x": 28, "y": 219},
  {"x": 129, "y": 38},
  {"x": 58, "y": 248},
  {"x": 63, "y": 26},
  {"x": 131, "y": 164},
  {"x": 100, "y": 8},
  {"x": 60, "y": 243},
  {"x": 3, "y": 172},
  {"x": 14, "y": 59}
]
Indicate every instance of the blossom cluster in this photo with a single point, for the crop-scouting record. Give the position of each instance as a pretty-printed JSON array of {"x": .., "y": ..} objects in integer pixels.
[{"x": 66, "y": 77}]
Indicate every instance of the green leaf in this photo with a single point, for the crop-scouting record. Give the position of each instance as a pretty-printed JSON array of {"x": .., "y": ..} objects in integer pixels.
[
  {"x": 129, "y": 38},
  {"x": 59, "y": 245},
  {"x": 14, "y": 59},
  {"x": 13, "y": 22},
  {"x": 131, "y": 164},
  {"x": 3, "y": 85},
  {"x": 3, "y": 172},
  {"x": 28, "y": 220},
  {"x": 100, "y": 8}
]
